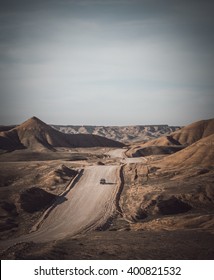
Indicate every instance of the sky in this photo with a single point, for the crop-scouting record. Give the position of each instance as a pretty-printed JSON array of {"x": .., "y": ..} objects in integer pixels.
[{"x": 105, "y": 62}]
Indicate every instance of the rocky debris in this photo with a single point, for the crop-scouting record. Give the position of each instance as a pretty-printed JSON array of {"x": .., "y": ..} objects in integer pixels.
[{"x": 35, "y": 199}]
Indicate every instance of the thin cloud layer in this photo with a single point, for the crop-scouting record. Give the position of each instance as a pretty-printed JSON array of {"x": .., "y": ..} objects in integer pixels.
[{"x": 106, "y": 62}]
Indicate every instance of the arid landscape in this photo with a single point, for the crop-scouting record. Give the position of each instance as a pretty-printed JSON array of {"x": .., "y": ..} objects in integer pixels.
[
  {"x": 124, "y": 134},
  {"x": 157, "y": 197}
]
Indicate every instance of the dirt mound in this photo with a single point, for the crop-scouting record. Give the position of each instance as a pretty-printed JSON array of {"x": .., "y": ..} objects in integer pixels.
[
  {"x": 37, "y": 135},
  {"x": 35, "y": 199}
]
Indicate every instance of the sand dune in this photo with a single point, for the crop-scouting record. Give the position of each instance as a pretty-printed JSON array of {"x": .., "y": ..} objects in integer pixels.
[{"x": 37, "y": 135}]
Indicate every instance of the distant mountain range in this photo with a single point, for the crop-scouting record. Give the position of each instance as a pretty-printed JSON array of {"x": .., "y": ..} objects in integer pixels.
[{"x": 124, "y": 134}]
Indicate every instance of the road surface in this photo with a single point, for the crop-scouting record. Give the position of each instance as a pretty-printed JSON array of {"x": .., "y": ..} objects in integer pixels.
[{"x": 120, "y": 154}]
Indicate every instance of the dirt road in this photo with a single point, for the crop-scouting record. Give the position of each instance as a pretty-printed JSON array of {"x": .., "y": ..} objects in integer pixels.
[
  {"x": 121, "y": 154},
  {"x": 86, "y": 206}
]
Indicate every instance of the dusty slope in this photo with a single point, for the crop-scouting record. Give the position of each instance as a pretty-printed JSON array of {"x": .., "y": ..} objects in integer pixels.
[{"x": 36, "y": 135}]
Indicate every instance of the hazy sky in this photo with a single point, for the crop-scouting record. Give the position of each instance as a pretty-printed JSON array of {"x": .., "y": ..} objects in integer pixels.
[{"x": 96, "y": 62}]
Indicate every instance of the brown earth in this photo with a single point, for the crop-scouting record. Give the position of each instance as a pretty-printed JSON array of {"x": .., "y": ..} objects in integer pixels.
[
  {"x": 123, "y": 245},
  {"x": 163, "y": 209}
]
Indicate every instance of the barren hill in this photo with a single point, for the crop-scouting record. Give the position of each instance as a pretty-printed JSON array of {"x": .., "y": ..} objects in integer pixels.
[
  {"x": 37, "y": 135},
  {"x": 194, "y": 132},
  {"x": 200, "y": 153},
  {"x": 176, "y": 140}
]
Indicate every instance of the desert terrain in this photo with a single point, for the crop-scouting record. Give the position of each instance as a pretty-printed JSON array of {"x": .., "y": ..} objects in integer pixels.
[
  {"x": 124, "y": 134},
  {"x": 157, "y": 199}
]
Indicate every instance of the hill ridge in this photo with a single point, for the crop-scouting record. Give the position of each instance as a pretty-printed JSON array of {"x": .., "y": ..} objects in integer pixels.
[
  {"x": 35, "y": 134},
  {"x": 182, "y": 138}
]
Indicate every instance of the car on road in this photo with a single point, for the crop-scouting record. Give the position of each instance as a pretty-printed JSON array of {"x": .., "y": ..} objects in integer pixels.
[{"x": 102, "y": 181}]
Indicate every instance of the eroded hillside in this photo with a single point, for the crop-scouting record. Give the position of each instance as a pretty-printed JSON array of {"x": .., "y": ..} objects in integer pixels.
[{"x": 124, "y": 134}]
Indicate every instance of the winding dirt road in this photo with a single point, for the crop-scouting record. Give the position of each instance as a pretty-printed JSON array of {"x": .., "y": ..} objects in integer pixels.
[{"x": 86, "y": 206}]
